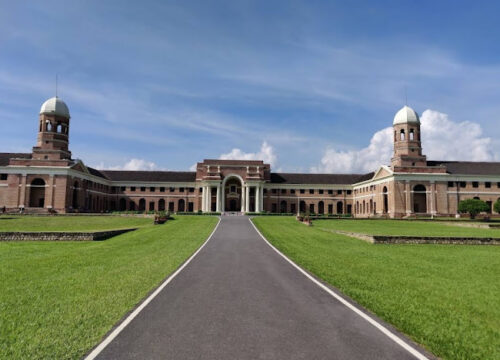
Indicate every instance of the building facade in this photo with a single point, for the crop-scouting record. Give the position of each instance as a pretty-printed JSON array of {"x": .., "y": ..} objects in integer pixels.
[{"x": 49, "y": 180}]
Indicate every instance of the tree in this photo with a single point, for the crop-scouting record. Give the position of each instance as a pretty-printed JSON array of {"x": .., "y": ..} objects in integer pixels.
[
  {"x": 472, "y": 207},
  {"x": 496, "y": 206}
]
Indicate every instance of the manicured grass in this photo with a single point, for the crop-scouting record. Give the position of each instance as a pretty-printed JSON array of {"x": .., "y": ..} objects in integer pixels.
[
  {"x": 407, "y": 228},
  {"x": 58, "y": 299},
  {"x": 446, "y": 297},
  {"x": 70, "y": 223}
]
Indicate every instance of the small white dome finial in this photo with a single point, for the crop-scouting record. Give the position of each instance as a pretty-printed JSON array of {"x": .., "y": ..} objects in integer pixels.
[
  {"x": 406, "y": 115},
  {"x": 55, "y": 106}
]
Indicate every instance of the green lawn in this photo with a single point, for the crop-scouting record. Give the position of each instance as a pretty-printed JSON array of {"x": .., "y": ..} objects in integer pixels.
[
  {"x": 71, "y": 223},
  {"x": 446, "y": 297},
  {"x": 402, "y": 227},
  {"x": 58, "y": 299}
]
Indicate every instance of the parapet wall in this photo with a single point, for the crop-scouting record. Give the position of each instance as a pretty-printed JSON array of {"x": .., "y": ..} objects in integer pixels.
[{"x": 61, "y": 236}]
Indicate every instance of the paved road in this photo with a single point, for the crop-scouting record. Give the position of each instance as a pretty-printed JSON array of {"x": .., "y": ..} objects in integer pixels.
[{"x": 238, "y": 299}]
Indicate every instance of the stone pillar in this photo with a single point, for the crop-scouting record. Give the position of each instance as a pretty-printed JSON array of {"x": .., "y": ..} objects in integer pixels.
[
  {"x": 247, "y": 199},
  {"x": 50, "y": 193},
  {"x": 209, "y": 195},
  {"x": 243, "y": 198},
  {"x": 408, "y": 197},
  {"x": 203, "y": 192},
  {"x": 218, "y": 207},
  {"x": 262, "y": 197},
  {"x": 433, "y": 198},
  {"x": 22, "y": 195},
  {"x": 257, "y": 198}
]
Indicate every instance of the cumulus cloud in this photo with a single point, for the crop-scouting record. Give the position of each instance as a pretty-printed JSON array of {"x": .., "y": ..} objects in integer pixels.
[
  {"x": 442, "y": 139},
  {"x": 132, "y": 164},
  {"x": 266, "y": 153}
]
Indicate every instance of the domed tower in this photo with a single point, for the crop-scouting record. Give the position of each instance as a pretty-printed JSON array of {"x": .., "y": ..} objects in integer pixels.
[
  {"x": 407, "y": 142},
  {"x": 53, "y": 131}
]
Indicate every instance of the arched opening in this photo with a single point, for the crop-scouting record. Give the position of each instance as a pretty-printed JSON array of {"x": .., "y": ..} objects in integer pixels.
[
  {"x": 302, "y": 206},
  {"x": 364, "y": 207},
  {"x": 412, "y": 134},
  {"x": 419, "y": 199},
  {"x": 340, "y": 207},
  {"x": 76, "y": 192},
  {"x": 321, "y": 207},
  {"x": 37, "y": 193},
  {"x": 59, "y": 128},
  {"x": 386, "y": 200},
  {"x": 283, "y": 206},
  {"x": 132, "y": 205},
  {"x": 123, "y": 204},
  {"x": 181, "y": 206},
  {"x": 142, "y": 205},
  {"x": 161, "y": 205},
  {"x": 233, "y": 190},
  {"x": 48, "y": 125},
  {"x": 402, "y": 135},
  {"x": 371, "y": 206}
]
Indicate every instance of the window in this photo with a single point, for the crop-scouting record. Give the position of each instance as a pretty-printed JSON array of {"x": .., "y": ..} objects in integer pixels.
[
  {"x": 152, "y": 206},
  {"x": 349, "y": 193},
  {"x": 498, "y": 184},
  {"x": 450, "y": 183},
  {"x": 283, "y": 191},
  {"x": 330, "y": 192},
  {"x": 233, "y": 189},
  {"x": 302, "y": 191},
  {"x": 3, "y": 177},
  {"x": 181, "y": 189},
  {"x": 339, "y": 192},
  {"x": 320, "y": 191},
  {"x": 121, "y": 188},
  {"x": 462, "y": 184},
  {"x": 162, "y": 189},
  {"x": 292, "y": 191},
  {"x": 273, "y": 191},
  {"x": 402, "y": 135},
  {"x": 311, "y": 191},
  {"x": 191, "y": 190},
  {"x": 143, "y": 188},
  {"x": 475, "y": 184},
  {"x": 152, "y": 189},
  {"x": 487, "y": 184},
  {"x": 172, "y": 189}
]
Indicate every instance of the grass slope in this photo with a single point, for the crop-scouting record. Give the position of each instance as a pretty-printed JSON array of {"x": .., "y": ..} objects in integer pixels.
[
  {"x": 408, "y": 228},
  {"x": 445, "y": 297},
  {"x": 57, "y": 300},
  {"x": 70, "y": 223}
]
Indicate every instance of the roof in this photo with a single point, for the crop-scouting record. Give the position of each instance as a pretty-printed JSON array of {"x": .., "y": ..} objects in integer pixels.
[
  {"x": 55, "y": 106},
  {"x": 5, "y": 157},
  {"x": 149, "y": 176},
  {"x": 233, "y": 162},
  {"x": 341, "y": 179},
  {"x": 468, "y": 167},
  {"x": 406, "y": 115}
]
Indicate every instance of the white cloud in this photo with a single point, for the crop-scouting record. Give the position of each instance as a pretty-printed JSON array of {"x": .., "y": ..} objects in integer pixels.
[
  {"x": 266, "y": 153},
  {"x": 442, "y": 139},
  {"x": 132, "y": 164}
]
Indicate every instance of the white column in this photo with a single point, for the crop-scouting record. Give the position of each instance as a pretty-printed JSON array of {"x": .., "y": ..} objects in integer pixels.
[
  {"x": 247, "y": 199},
  {"x": 257, "y": 198},
  {"x": 408, "y": 198},
  {"x": 209, "y": 192},
  {"x": 243, "y": 197},
  {"x": 218, "y": 208},
  {"x": 433, "y": 198}
]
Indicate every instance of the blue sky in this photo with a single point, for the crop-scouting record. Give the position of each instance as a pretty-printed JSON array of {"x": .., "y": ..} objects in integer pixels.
[{"x": 295, "y": 82}]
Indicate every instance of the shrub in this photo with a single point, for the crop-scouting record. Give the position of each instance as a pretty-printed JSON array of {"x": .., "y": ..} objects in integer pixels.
[
  {"x": 472, "y": 207},
  {"x": 496, "y": 206}
]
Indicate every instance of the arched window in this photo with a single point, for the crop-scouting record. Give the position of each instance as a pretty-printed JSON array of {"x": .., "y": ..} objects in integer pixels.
[
  {"x": 59, "y": 128},
  {"x": 402, "y": 135},
  {"x": 132, "y": 205},
  {"x": 340, "y": 207},
  {"x": 283, "y": 206},
  {"x": 412, "y": 134},
  {"x": 181, "y": 205},
  {"x": 419, "y": 199},
  {"x": 142, "y": 205},
  {"x": 371, "y": 206},
  {"x": 37, "y": 193},
  {"x": 386, "y": 200},
  {"x": 123, "y": 204},
  {"x": 48, "y": 125},
  {"x": 161, "y": 205}
]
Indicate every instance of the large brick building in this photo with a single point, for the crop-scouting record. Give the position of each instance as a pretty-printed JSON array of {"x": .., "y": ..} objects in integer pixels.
[{"x": 49, "y": 179}]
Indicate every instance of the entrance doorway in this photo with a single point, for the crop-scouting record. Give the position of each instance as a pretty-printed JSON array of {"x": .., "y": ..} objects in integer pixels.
[
  {"x": 232, "y": 194},
  {"x": 233, "y": 205}
]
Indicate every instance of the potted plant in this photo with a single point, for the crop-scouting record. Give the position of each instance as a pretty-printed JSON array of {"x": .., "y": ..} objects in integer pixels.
[{"x": 161, "y": 217}]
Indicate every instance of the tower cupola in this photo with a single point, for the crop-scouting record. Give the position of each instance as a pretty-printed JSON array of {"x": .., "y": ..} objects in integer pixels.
[
  {"x": 53, "y": 131},
  {"x": 407, "y": 141}
]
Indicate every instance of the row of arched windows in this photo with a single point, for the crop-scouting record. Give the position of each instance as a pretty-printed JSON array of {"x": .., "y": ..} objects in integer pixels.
[
  {"x": 402, "y": 136},
  {"x": 49, "y": 127}
]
